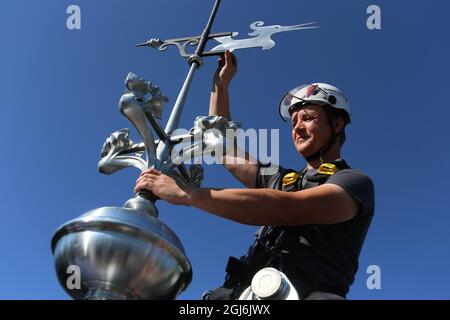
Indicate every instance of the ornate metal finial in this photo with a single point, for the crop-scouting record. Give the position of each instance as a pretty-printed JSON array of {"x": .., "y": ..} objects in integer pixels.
[
  {"x": 140, "y": 87},
  {"x": 141, "y": 104},
  {"x": 120, "y": 152},
  {"x": 209, "y": 137}
]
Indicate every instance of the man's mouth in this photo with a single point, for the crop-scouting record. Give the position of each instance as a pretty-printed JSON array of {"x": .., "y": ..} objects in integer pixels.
[{"x": 303, "y": 137}]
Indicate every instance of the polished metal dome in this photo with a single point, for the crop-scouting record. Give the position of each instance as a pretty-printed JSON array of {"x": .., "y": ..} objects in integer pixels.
[{"x": 122, "y": 253}]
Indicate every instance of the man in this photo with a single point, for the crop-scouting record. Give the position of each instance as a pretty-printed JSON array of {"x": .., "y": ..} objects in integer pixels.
[{"x": 315, "y": 219}]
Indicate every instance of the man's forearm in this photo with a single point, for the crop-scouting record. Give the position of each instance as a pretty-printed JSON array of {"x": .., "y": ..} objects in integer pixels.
[
  {"x": 247, "y": 206},
  {"x": 219, "y": 102},
  {"x": 240, "y": 164}
]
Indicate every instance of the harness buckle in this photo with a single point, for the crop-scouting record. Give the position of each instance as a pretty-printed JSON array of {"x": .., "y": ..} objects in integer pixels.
[
  {"x": 327, "y": 169},
  {"x": 290, "y": 178}
]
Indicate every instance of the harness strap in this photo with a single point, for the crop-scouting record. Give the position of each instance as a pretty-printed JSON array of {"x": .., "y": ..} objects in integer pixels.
[{"x": 266, "y": 250}]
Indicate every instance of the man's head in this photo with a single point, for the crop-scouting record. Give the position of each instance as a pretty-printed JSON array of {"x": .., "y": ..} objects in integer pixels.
[
  {"x": 319, "y": 113},
  {"x": 313, "y": 127}
]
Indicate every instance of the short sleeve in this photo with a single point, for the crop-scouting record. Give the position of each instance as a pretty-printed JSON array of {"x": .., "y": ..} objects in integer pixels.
[
  {"x": 268, "y": 176},
  {"x": 358, "y": 185}
]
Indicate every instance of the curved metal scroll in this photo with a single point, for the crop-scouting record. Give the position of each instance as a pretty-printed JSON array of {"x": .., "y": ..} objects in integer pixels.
[{"x": 142, "y": 104}]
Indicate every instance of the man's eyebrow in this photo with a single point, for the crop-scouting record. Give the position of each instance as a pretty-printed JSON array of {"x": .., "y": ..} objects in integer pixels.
[{"x": 311, "y": 113}]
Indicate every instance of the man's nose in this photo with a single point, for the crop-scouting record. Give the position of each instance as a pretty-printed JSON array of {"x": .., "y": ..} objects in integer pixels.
[{"x": 299, "y": 128}]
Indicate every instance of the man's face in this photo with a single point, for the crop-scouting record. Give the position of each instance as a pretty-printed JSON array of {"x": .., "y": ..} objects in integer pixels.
[{"x": 310, "y": 129}]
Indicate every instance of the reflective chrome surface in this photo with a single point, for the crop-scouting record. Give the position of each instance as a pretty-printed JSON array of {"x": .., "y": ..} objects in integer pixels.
[
  {"x": 128, "y": 253},
  {"x": 122, "y": 254}
]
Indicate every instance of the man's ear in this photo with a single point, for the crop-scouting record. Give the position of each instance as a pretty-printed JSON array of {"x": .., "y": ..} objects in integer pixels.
[{"x": 339, "y": 124}]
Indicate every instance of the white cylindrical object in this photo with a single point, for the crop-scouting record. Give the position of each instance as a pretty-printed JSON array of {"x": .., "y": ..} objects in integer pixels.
[{"x": 270, "y": 284}]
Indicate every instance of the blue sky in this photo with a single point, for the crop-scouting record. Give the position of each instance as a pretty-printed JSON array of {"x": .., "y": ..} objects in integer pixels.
[{"x": 60, "y": 90}]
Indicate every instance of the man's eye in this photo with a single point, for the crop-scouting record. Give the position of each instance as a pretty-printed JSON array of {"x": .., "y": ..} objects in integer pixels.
[{"x": 310, "y": 118}]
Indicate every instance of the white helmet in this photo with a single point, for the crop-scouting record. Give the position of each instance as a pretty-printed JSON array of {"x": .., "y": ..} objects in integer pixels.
[{"x": 316, "y": 93}]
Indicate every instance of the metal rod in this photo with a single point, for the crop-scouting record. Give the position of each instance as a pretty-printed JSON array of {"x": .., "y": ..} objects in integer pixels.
[
  {"x": 174, "y": 119},
  {"x": 183, "y": 172},
  {"x": 206, "y": 32},
  {"x": 213, "y": 53},
  {"x": 157, "y": 42},
  {"x": 159, "y": 131}
]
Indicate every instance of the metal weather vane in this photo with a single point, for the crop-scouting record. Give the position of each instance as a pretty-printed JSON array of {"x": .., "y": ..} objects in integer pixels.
[
  {"x": 127, "y": 252},
  {"x": 261, "y": 36}
]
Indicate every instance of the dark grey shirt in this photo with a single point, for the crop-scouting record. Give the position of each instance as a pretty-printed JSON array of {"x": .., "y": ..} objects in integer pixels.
[{"x": 327, "y": 255}]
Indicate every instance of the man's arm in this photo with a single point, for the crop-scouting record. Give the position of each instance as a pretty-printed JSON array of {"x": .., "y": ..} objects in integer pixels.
[
  {"x": 326, "y": 204},
  {"x": 243, "y": 166}
]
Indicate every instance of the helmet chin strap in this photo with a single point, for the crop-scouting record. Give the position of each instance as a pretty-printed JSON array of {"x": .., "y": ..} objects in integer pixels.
[
  {"x": 333, "y": 138},
  {"x": 322, "y": 151}
]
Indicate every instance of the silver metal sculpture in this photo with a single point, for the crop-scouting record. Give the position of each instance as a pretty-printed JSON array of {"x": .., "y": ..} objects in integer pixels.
[
  {"x": 127, "y": 252},
  {"x": 181, "y": 43},
  {"x": 261, "y": 36},
  {"x": 210, "y": 136}
]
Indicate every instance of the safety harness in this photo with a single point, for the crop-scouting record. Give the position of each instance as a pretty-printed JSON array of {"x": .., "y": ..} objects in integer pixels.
[{"x": 267, "y": 250}]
